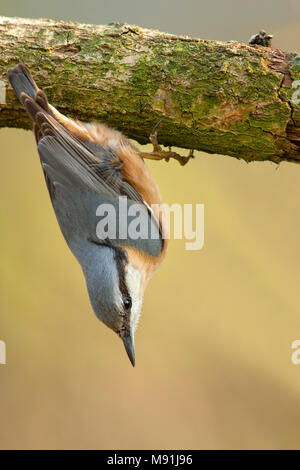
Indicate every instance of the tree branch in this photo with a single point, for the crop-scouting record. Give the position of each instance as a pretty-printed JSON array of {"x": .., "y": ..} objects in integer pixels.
[{"x": 225, "y": 98}]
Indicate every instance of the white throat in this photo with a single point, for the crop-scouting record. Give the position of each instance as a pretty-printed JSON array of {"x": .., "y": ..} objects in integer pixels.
[{"x": 133, "y": 282}]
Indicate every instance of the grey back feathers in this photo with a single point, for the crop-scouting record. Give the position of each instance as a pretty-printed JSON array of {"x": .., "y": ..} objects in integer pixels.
[
  {"x": 76, "y": 195},
  {"x": 81, "y": 175}
]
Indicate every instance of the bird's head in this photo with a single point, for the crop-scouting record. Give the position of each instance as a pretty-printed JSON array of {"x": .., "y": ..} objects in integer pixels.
[{"x": 116, "y": 289}]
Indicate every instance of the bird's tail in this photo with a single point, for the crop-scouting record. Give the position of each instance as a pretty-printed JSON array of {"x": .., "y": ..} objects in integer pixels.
[
  {"x": 22, "y": 82},
  {"x": 26, "y": 89}
]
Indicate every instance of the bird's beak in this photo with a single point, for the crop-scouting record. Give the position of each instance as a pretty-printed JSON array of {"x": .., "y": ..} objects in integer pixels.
[{"x": 129, "y": 346}]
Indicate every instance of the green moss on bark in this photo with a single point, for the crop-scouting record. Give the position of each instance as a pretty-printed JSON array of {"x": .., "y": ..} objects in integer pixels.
[{"x": 223, "y": 98}]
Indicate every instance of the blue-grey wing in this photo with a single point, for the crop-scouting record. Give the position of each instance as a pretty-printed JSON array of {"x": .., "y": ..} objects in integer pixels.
[{"x": 91, "y": 207}]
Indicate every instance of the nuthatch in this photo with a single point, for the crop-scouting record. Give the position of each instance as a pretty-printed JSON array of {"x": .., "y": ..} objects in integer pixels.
[{"x": 86, "y": 165}]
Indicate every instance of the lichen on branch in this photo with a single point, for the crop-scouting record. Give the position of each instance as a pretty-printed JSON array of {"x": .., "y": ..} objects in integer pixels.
[{"x": 225, "y": 98}]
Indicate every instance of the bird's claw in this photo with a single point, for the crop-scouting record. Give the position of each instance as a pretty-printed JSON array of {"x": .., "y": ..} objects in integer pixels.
[
  {"x": 164, "y": 154},
  {"x": 153, "y": 140}
]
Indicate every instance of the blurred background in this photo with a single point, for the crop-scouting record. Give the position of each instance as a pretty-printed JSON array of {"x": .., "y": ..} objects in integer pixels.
[{"x": 213, "y": 348}]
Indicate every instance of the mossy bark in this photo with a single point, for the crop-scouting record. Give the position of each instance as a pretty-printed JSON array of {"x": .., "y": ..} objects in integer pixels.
[{"x": 225, "y": 98}]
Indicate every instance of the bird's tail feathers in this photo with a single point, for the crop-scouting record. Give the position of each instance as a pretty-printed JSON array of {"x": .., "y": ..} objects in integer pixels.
[
  {"x": 25, "y": 87},
  {"x": 22, "y": 81}
]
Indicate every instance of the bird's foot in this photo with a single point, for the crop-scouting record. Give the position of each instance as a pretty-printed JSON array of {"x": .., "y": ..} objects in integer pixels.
[{"x": 159, "y": 154}]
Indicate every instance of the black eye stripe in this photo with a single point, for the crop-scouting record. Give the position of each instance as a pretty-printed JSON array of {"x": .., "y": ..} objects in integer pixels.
[{"x": 121, "y": 260}]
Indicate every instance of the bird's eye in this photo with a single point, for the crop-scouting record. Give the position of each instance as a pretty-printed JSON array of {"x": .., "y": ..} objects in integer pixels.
[{"x": 127, "y": 302}]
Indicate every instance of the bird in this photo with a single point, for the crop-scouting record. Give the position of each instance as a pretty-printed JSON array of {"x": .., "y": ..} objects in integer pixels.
[{"x": 86, "y": 165}]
